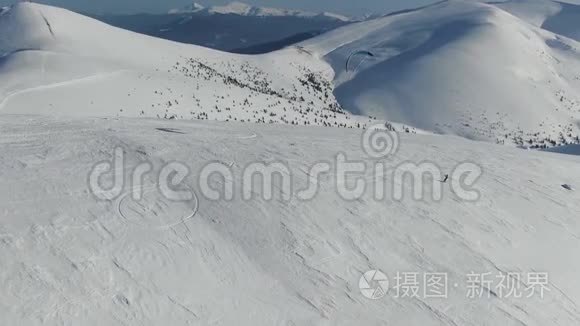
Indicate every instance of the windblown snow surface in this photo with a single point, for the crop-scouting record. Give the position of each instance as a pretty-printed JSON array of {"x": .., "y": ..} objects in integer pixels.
[
  {"x": 70, "y": 259},
  {"x": 74, "y": 89}
]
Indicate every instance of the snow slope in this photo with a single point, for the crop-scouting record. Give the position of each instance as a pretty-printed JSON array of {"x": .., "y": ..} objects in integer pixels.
[
  {"x": 460, "y": 67},
  {"x": 70, "y": 259},
  {"x": 72, "y": 87},
  {"x": 54, "y": 61},
  {"x": 456, "y": 67},
  {"x": 555, "y": 16}
]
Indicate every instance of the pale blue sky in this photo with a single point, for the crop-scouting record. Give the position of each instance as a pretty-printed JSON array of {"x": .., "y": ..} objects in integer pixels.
[{"x": 352, "y": 7}]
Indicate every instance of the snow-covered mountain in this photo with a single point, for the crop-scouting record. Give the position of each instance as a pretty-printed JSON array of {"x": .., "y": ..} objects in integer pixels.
[
  {"x": 192, "y": 8},
  {"x": 243, "y": 9},
  {"x": 50, "y": 53},
  {"x": 555, "y": 16},
  {"x": 465, "y": 68},
  {"x": 73, "y": 89}
]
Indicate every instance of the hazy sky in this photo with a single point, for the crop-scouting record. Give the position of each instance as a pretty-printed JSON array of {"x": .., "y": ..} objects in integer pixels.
[{"x": 352, "y": 7}]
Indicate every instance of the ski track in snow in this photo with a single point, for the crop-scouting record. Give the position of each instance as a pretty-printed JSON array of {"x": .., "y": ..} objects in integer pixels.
[
  {"x": 91, "y": 78},
  {"x": 146, "y": 190}
]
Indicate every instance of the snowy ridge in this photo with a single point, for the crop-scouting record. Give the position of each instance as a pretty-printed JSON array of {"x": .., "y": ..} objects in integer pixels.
[
  {"x": 555, "y": 16},
  {"x": 465, "y": 68},
  {"x": 52, "y": 53}
]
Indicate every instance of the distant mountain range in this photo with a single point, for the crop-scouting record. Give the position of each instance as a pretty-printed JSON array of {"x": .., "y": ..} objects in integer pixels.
[
  {"x": 242, "y": 9},
  {"x": 236, "y": 27}
]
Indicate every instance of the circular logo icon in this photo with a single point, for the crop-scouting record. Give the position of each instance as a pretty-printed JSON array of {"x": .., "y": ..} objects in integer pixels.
[
  {"x": 378, "y": 142},
  {"x": 374, "y": 285}
]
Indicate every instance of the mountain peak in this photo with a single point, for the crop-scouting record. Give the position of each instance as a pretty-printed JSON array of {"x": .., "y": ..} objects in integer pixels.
[
  {"x": 236, "y": 8},
  {"x": 192, "y": 8}
]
